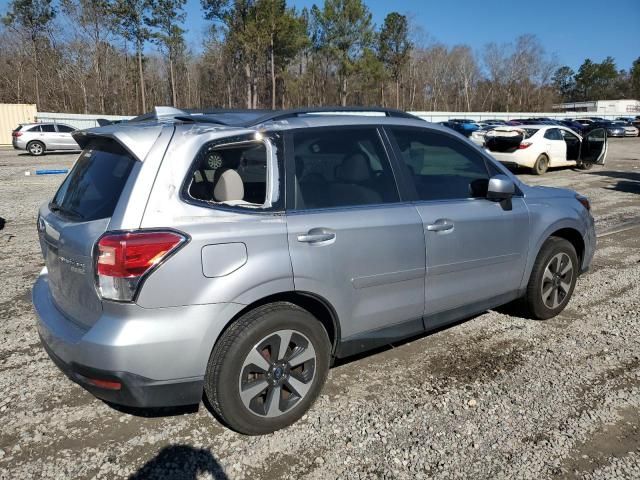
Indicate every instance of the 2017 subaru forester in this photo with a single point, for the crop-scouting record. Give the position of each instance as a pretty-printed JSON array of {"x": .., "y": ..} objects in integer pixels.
[{"x": 238, "y": 254}]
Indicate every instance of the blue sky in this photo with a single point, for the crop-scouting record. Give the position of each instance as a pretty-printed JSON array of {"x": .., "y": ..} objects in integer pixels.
[{"x": 571, "y": 29}]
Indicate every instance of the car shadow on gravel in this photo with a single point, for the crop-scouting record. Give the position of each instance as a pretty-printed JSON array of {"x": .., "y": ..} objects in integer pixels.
[
  {"x": 181, "y": 462},
  {"x": 628, "y": 182}
]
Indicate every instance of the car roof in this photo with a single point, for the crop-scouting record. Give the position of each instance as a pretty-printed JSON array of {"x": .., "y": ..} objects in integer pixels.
[{"x": 139, "y": 136}]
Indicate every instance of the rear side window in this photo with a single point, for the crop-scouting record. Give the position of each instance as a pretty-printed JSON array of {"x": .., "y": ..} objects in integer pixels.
[
  {"x": 341, "y": 168},
  {"x": 233, "y": 174},
  {"x": 47, "y": 128},
  {"x": 441, "y": 166},
  {"x": 93, "y": 187}
]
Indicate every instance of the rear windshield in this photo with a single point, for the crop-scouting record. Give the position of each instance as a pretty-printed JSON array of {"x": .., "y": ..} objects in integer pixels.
[
  {"x": 18, "y": 128},
  {"x": 93, "y": 187}
]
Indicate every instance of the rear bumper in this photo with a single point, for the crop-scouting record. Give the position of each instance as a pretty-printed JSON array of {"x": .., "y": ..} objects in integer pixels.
[{"x": 158, "y": 355}]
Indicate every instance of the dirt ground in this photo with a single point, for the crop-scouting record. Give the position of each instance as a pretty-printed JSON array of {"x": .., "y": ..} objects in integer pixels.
[{"x": 496, "y": 396}]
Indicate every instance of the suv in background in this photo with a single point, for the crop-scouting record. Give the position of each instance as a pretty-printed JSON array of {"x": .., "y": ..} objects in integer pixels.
[
  {"x": 37, "y": 138},
  {"x": 189, "y": 253}
]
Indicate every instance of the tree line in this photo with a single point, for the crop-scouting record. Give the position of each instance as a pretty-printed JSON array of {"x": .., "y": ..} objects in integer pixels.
[{"x": 124, "y": 56}]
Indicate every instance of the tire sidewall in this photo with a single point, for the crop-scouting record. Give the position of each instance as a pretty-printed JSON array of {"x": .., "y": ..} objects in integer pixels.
[
  {"x": 551, "y": 247},
  {"x": 223, "y": 381},
  {"x": 543, "y": 159}
]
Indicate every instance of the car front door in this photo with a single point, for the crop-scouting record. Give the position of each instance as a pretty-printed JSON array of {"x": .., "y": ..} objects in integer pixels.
[
  {"x": 476, "y": 248},
  {"x": 64, "y": 139},
  {"x": 593, "y": 149},
  {"x": 353, "y": 241}
]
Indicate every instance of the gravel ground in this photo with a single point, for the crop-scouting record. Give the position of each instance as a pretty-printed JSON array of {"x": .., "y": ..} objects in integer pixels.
[{"x": 495, "y": 397}]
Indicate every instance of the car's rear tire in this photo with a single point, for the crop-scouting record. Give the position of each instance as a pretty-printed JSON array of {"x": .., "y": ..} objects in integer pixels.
[
  {"x": 542, "y": 165},
  {"x": 552, "y": 279},
  {"x": 248, "y": 369},
  {"x": 35, "y": 148}
]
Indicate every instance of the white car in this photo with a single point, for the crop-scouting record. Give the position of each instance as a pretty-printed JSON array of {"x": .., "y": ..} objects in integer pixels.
[{"x": 540, "y": 147}]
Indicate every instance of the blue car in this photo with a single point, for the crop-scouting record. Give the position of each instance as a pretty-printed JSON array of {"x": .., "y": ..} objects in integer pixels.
[{"x": 464, "y": 126}]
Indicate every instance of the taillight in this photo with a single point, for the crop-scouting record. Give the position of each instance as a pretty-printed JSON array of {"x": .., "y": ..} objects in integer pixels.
[
  {"x": 16, "y": 134},
  {"x": 524, "y": 145},
  {"x": 123, "y": 259}
]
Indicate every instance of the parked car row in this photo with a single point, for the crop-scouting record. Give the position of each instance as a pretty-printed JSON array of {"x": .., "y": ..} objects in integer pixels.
[{"x": 476, "y": 130}]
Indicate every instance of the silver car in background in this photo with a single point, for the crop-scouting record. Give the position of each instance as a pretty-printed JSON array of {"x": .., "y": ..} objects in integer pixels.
[
  {"x": 38, "y": 138},
  {"x": 237, "y": 257}
]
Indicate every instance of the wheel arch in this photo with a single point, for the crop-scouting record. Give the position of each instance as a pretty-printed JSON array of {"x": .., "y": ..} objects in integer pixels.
[
  {"x": 574, "y": 237},
  {"x": 566, "y": 229},
  {"x": 318, "y": 306}
]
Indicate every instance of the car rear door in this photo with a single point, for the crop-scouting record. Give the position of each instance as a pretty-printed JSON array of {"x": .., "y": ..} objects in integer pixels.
[
  {"x": 352, "y": 239},
  {"x": 555, "y": 146},
  {"x": 475, "y": 248},
  {"x": 593, "y": 149},
  {"x": 78, "y": 215}
]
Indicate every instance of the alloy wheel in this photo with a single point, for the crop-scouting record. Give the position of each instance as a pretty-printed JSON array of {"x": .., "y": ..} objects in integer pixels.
[
  {"x": 35, "y": 149},
  {"x": 557, "y": 280},
  {"x": 277, "y": 373}
]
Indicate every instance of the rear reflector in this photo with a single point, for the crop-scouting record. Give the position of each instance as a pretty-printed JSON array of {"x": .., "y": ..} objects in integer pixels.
[
  {"x": 106, "y": 384},
  {"x": 124, "y": 258}
]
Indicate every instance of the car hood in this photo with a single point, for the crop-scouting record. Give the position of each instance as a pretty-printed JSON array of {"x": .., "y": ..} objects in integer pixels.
[{"x": 547, "y": 192}]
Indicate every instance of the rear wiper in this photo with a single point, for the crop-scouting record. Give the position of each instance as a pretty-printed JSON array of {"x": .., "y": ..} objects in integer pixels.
[{"x": 54, "y": 207}]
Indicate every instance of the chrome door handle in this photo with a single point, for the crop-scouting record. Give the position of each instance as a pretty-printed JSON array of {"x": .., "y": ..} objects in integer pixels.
[
  {"x": 440, "y": 227},
  {"x": 317, "y": 235}
]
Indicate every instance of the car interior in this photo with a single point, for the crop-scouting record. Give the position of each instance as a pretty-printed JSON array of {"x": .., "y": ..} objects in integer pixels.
[
  {"x": 231, "y": 175},
  {"x": 341, "y": 170}
]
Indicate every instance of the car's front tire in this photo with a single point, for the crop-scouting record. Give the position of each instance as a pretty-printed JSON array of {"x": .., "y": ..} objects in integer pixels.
[
  {"x": 36, "y": 148},
  {"x": 267, "y": 368},
  {"x": 552, "y": 279},
  {"x": 542, "y": 165}
]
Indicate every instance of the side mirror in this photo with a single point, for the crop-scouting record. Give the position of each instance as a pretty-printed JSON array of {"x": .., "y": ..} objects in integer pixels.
[{"x": 500, "y": 187}]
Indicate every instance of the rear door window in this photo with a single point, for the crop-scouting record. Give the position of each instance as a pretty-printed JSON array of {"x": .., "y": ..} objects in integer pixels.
[
  {"x": 34, "y": 129},
  {"x": 65, "y": 129},
  {"x": 341, "y": 168},
  {"x": 93, "y": 187},
  {"x": 47, "y": 128}
]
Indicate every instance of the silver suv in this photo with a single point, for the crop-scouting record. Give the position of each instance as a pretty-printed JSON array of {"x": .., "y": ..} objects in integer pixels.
[
  {"x": 37, "y": 138},
  {"x": 239, "y": 256}
]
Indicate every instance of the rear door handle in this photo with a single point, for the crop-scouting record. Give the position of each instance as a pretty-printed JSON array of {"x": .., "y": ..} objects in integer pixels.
[
  {"x": 318, "y": 236},
  {"x": 440, "y": 226}
]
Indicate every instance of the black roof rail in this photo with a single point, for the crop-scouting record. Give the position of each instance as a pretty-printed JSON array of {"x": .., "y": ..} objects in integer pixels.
[
  {"x": 296, "y": 112},
  {"x": 230, "y": 117}
]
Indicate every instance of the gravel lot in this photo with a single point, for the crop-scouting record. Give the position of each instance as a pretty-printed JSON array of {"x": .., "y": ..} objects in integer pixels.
[{"x": 494, "y": 397}]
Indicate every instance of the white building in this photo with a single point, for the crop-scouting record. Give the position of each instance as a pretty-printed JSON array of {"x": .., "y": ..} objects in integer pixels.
[{"x": 605, "y": 107}]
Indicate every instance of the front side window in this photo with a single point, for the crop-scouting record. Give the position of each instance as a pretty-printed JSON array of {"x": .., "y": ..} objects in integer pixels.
[
  {"x": 341, "y": 168},
  {"x": 441, "y": 167},
  {"x": 234, "y": 174}
]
